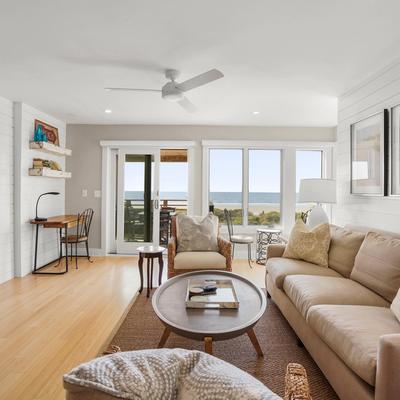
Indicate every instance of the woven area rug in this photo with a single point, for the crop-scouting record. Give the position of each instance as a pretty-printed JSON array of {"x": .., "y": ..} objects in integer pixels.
[{"x": 141, "y": 329}]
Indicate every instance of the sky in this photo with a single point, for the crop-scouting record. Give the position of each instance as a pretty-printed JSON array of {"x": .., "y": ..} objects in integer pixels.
[{"x": 226, "y": 171}]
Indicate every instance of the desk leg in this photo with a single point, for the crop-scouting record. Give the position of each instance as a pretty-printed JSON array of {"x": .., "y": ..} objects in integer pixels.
[
  {"x": 148, "y": 277},
  {"x": 66, "y": 247},
  {"x": 36, "y": 245}
]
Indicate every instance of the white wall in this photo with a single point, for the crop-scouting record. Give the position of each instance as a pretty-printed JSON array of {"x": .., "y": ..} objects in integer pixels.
[
  {"x": 28, "y": 188},
  {"x": 6, "y": 191},
  {"x": 381, "y": 91}
]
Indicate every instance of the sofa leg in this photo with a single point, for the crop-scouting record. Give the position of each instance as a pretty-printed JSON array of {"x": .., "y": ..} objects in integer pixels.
[
  {"x": 299, "y": 343},
  {"x": 268, "y": 295}
]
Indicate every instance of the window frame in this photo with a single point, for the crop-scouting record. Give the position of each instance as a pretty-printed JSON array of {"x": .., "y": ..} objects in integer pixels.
[{"x": 287, "y": 174}]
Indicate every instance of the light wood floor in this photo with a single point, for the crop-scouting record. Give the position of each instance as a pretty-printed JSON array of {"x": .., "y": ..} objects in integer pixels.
[{"x": 50, "y": 324}]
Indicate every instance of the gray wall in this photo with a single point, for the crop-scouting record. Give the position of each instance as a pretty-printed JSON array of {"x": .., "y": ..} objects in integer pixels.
[{"x": 85, "y": 163}]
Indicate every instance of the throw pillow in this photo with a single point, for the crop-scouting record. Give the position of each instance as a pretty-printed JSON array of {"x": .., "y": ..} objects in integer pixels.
[
  {"x": 344, "y": 247},
  {"x": 308, "y": 244},
  {"x": 197, "y": 234},
  {"x": 377, "y": 264},
  {"x": 395, "y": 306}
]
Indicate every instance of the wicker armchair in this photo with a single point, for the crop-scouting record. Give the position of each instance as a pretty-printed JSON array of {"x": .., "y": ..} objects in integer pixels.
[{"x": 224, "y": 248}]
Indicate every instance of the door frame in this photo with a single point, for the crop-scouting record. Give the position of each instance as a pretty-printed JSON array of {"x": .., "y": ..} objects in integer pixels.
[
  {"x": 124, "y": 247},
  {"x": 108, "y": 244}
]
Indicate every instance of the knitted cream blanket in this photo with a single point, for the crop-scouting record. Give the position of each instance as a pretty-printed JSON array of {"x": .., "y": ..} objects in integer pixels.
[{"x": 168, "y": 374}]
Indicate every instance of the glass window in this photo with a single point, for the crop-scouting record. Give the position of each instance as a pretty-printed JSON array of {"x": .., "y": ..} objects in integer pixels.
[
  {"x": 308, "y": 165},
  {"x": 264, "y": 187},
  {"x": 226, "y": 172}
]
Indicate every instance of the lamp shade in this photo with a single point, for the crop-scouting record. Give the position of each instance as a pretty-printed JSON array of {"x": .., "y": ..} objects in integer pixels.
[{"x": 317, "y": 191}]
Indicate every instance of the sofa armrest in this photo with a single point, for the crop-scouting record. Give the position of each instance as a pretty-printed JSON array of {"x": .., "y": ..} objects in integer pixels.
[
  {"x": 275, "y": 250},
  {"x": 225, "y": 248},
  {"x": 296, "y": 383},
  {"x": 171, "y": 255},
  {"x": 387, "y": 385}
]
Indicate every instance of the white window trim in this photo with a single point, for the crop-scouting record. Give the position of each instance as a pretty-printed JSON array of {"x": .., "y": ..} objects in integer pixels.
[{"x": 288, "y": 174}]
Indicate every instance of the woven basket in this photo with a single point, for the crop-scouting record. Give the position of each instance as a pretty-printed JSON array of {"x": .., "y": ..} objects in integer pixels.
[{"x": 296, "y": 383}]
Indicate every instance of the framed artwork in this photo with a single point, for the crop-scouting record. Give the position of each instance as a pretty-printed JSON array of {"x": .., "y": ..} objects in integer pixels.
[
  {"x": 370, "y": 155},
  {"x": 51, "y": 132},
  {"x": 395, "y": 146}
]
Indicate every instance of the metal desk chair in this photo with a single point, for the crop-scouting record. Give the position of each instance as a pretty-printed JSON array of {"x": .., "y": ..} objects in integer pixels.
[
  {"x": 82, "y": 234},
  {"x": 238, "y": 239}
]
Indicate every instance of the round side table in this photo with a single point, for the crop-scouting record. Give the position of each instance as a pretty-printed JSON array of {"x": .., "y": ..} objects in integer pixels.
[
  {"x": 264, "y": 238},
  {"x": 150, "y": 253}
]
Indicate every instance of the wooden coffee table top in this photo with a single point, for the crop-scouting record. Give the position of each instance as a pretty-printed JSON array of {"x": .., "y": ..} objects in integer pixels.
[{"x": 220, "y": 324}]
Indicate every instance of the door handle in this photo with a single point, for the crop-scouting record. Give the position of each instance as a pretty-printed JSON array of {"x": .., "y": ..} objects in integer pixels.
[{"x": 156, "y": 204}]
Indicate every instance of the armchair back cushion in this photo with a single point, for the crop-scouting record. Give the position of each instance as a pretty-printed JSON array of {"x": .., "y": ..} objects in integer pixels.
[
  {"x": 197, "y": 233},
  {"x": 377, "y": 264}
]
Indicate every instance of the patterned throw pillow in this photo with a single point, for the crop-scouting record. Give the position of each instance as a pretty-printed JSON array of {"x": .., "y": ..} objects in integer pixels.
[
  {"x": 197, "y": 234},
  {"x": 307, "y": 244}
]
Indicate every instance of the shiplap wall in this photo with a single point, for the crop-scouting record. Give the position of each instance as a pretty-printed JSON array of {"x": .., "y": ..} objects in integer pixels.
[
  {"x": 6, "y": 191},
  {"x": 380, "y": 91},
  {"x": 28, "y": 188}
]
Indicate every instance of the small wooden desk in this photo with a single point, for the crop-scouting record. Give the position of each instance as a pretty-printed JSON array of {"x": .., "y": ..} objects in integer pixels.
[{"x": 57, "y": 222}]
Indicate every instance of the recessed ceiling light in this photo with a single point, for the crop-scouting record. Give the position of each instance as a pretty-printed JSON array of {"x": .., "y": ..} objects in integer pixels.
[
  {"x": 256, "y": 112},
  {"x": 108, "y": 111}
]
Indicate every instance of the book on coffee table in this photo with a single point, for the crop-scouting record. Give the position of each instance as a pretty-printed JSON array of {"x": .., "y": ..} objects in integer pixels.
[{"x": 213, "y": 293}]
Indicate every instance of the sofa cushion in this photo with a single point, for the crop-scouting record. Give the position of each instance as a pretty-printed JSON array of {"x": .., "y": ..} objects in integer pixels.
[
  {"x": 199, "y": 260},
  {"x": 353, "y": 333},
  {"x": 343, "y": 249},
  {"x": 279, "y": 268},
  {"x": 309, "y": 244},
  {"x": 306, "y": 291},
  {"x": 395, "y": 306},
  {"x": 197, "y": 234},
  {"x": 377, "y": 264}
]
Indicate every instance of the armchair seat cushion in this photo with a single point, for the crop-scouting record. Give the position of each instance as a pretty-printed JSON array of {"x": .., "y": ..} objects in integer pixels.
[
  {"x": 353, "y": 333},
  {"x": 279, "y": 268},
  {"x": 306, "y": 291},
  {"x": 199, "y": 260}
]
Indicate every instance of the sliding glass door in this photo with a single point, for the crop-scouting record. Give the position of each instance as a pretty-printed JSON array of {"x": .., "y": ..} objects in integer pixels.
[{"x": 138, "y": 198}]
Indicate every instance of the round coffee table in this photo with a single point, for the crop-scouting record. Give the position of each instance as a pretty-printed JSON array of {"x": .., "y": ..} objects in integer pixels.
[{"x": 209, "y": 325}]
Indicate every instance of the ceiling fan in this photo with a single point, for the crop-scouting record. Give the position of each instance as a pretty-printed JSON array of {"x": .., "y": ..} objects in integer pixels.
[{"x": 174, "y": 91}]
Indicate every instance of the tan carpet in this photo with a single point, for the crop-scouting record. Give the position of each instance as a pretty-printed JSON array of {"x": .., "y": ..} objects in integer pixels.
[{"x": 142, "y": 330}]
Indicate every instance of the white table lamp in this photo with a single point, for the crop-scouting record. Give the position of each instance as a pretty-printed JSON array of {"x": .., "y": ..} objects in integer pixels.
[{"x": 320, "y": 191}]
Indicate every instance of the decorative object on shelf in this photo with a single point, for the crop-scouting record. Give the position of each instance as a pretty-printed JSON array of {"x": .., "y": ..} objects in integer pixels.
[
  {"x": 370, "y": 155},
  {"x": 395, "y": 145},
  {"x": 39, "y": 163},
  {"x": 320, "y": 191},
  {"x": 264, "y": 238},
  {"x": 37, "y": 203},
  {"x": 39, "y": 135},
  {"x": 47, "y": 132}
]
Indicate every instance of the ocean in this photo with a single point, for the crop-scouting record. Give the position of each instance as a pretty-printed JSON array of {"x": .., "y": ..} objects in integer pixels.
[{"x": 215, "y": 197}]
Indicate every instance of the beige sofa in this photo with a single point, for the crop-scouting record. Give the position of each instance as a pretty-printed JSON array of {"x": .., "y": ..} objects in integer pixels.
[{"x": 342, "y": 314}]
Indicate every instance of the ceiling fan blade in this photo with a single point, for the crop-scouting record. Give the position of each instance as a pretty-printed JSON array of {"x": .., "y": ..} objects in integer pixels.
[
  {"x": 187, "y": 105},
  {"x": 200, "y": 80},
  {"x": 115, "y": 89}
]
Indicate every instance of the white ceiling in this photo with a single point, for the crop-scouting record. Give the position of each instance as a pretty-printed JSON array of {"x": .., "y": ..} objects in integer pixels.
[{"x": 288, "y": 59}]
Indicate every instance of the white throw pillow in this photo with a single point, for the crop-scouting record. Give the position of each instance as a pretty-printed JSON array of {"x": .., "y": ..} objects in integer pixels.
[
  {"x": 197, "y": 234},
  {"x": 395, "y": 306}
]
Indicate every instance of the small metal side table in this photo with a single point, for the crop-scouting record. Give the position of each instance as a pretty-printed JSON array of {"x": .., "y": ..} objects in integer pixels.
[
  {"x": 264, "y": 238},
  {"x": 150, "y": 253}
]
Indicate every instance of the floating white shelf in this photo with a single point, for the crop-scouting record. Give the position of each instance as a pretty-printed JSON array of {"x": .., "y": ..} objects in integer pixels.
[
  {"x": 50, "y": 148},
  {"x": 48, "y": 172}
]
